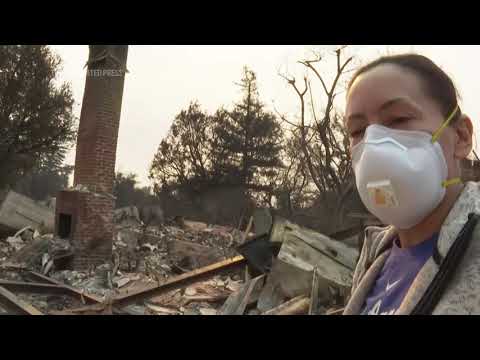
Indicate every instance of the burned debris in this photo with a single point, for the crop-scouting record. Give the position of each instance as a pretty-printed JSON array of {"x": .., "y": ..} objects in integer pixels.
[{"x": 179, "y": 268}]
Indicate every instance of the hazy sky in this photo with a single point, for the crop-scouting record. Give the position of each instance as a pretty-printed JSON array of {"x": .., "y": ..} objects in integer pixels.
[{"x": 162, "y": 80}]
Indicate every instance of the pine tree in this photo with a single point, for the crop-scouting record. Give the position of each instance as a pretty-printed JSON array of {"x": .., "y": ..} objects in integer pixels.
[{"x": 250, "y": 136}]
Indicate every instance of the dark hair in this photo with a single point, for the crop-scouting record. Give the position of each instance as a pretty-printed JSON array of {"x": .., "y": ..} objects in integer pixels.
[{"x": 437, "y": 83}]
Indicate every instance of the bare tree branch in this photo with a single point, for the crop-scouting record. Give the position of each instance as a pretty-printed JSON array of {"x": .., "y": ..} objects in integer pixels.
[
  {"x": 284, "y": 119},
  {"x": 323, "y": 143},
  {"x": 309, "y": 65}
]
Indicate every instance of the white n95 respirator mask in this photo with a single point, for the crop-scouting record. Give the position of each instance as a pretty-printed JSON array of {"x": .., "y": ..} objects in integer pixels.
[{"x": 401, "y": 175}]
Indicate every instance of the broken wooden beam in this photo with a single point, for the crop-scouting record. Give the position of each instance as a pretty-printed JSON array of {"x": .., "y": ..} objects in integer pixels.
[
  {"x": 31, "y": 287},
  {"x": 173, "y": 283},
  {"x": 296, "y": 306},
  {"x": 11, "y": 301},
  {"x": 83, "y": 296},
  {"x": 180, "y": 281}
]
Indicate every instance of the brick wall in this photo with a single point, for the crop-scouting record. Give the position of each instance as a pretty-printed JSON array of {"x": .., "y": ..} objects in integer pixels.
[
  {"x": 93, "y": 236},
  {"x": 91, "y": 231}
]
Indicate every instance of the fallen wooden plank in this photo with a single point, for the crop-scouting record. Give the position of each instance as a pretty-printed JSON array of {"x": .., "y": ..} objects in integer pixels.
[
  {"x": 229, "y": 306},
  {"x": 295, "y": 306},
  {"x": 295, "y": 263},
  {"x": 238, "y": 301},
  {"x": 87, "y": 297},
  {"x": 32, "y": 287},
  {"x": 177, "y": 282},
  {"x": 180, "y": 281},
  {"x": 12, "y": 301},
  {"x": 283, "y": 230},
  {"x": 255, "y": 284}
]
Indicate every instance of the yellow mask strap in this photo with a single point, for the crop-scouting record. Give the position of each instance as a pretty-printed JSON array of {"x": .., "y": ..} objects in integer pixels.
[
  {"x": 453, "y": 181},
  {"x": 435, "y": 137},
  {"x": 437, "y": 133}
]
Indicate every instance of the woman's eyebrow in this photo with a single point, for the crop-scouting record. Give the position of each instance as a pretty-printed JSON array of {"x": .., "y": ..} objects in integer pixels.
[{"x": 400, "y": 100}]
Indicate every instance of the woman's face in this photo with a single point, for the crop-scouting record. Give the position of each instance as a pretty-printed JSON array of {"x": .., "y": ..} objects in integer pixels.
[{"x": 395, "y": 97}]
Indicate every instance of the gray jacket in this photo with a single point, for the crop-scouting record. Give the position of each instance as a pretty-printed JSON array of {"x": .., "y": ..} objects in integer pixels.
[{"x": 462, "y": 295}]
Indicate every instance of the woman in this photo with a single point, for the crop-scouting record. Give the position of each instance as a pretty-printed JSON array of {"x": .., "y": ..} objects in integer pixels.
[{"x": 407, "y": 138}]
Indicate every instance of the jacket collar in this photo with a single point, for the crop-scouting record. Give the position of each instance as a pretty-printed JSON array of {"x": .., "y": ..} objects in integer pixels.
[{"x": 467, "y": 202}]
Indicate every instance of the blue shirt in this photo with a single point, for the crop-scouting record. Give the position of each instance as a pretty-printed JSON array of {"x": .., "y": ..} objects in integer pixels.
[{"x": 396, "y": 277}]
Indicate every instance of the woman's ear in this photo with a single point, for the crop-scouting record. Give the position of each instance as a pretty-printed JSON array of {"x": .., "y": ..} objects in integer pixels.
[{"x": 464, "y": 143}]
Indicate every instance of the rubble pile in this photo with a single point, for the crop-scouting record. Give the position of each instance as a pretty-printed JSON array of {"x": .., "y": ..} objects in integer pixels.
[
  {"x": 165, "y": 250},
  {"x": 45, "y": 302},
  {"x": 142, "y": 256},
  {"x": 294, "y": 271},
  {"x": 181, "y": 267}
]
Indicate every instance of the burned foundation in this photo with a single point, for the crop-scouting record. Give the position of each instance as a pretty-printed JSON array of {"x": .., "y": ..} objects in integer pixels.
[{"x": 84, "y": 215}]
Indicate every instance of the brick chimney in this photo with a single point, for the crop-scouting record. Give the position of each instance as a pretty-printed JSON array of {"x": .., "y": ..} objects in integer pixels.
[{"x": 84, "y": 214}]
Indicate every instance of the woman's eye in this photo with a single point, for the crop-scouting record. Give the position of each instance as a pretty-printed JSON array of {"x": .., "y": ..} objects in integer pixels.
[{"x": 399, "y": 120}]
